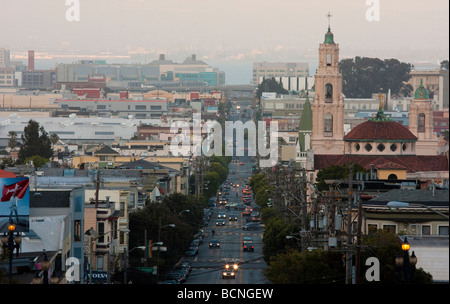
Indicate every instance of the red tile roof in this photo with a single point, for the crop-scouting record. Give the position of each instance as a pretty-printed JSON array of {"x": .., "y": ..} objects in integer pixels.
[
  {"x": 412, "y": 163},
  {"x": 380, "y": 131}
]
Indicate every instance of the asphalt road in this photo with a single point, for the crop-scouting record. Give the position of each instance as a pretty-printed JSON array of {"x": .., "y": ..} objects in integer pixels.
[{"x": 208, "y": 265}]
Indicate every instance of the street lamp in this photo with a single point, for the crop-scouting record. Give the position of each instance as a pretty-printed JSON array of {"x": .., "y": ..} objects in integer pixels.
[
  {"x": 394, "y": 205},
  {"x": 10, "y": 243},
  {"x": 406, "y": 264}
]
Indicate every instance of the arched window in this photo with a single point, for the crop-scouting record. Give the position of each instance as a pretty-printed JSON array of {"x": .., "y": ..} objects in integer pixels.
[
  {"x": 392, "y": 177},
  {"x": 328, "y": 92},
  {"x": 328, "y": 125},
  {"x": 421, "y": 123},
  {"x": 328, "y": 59}
]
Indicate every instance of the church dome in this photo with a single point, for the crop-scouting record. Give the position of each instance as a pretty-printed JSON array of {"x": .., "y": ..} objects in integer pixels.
[
  {"x": 421, "y": 92},
  {"x": 380, "y": 129},
  {"x": 329, "y": 37}
]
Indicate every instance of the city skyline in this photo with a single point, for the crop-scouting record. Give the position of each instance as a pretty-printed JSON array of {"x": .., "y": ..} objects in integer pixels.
[{"x": 219, "y": 32}]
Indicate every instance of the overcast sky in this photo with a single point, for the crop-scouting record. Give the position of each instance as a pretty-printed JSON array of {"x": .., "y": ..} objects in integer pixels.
[{"x": 228, "y": 29}]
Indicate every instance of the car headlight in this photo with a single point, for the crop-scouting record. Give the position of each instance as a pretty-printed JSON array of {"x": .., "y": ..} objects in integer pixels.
[
  {"x": 232, "y": 273},
  {"x": 235, "y": 266},
  {"x": 224, "y": 273}
]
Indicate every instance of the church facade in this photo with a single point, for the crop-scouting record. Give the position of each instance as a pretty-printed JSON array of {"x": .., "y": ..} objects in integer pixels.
[{"x": 378, "y": 143}]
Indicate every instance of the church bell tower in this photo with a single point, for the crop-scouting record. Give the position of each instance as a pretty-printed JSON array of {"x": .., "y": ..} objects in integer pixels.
[{"x": 328, "y": 105}]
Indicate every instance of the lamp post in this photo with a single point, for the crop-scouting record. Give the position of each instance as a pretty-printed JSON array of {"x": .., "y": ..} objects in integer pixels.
[
  {"x": 10, "y": 243},
  {"x": 406, "y": 264},
  {"x": 159, "y": 241}
]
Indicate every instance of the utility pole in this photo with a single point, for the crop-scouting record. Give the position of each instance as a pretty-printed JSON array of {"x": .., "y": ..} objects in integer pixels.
[
  {"x": 358, "y": 242},
  {"x": 349, "y": 254}
]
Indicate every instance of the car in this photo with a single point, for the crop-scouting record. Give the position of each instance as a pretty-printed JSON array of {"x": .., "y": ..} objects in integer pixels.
[
  {"x": 175, "y": 277},
  {"x": 247, "y": 238},
  {"x": 223, "y": 201},
  {"x": 228, "y": 274},
  {"x": 221, "y": 216},
  {"x": 214, "y": 244},
  {"x": 190, "y": 253},
  {"x": 232, "y": 217},
  {"x": 251, "y": 226},
  {"x": 186, "y": 265},
  {"x": 232, "y": 265},
  {"x": 241, "y": 164},
  {"x": 220, "y": 223},
  {"x": 170, "y": 282},
  {"x": 183, "y": 275},
  {"x": 248, "y": 246}
]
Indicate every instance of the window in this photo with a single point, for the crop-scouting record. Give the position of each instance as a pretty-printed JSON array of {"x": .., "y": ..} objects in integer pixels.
[
  {"x": 368, "y": 147},
  {"x": 101, "y": 231},
  {"x": 380, "y": 147},
  {"x": 443, "y": 230},
  {"x": 140, "y": 107},
  {"x": 392, "y": 177},
  {"x": 389, "y": 228},
  {"x": 357, "y": 147},
  {"x": 101, "y": 107},
  {"x": 155, "y": 107},
  {"x": 393, "y": 147},
  {"x": 421, "y": 123},
  {"x": 100, "y": 262},
  {"x": 426, "y": 230},
  {"x": 328, "y": 125},
  {"x": 372, "y": 228},
  {"x": 328, "y": 92},
  {"x": 77, "y": 230},
  {"x": 328, "y": 59}
]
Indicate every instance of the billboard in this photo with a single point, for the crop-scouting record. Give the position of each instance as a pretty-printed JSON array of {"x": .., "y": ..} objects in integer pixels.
[{"x": 14, "y": 203}]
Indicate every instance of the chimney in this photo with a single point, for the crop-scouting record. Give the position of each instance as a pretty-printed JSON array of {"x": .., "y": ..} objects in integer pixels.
[
  {"x": 31, "y": 60},
  {"x": 161, "y": 57}
]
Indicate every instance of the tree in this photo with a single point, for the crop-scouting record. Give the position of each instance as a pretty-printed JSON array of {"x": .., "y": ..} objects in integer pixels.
[
  {"x": 35, "y": 141},
  {"x": 54, "y": 138},
  {"x": 270, "y": 85},
  {"x": 336, "y": 172},
  {"x": 12, "y": 141},
  {"x": 365, "y": 76},
  {"x": 444, "y": 65},
  {"x": 306, "y": 267}
]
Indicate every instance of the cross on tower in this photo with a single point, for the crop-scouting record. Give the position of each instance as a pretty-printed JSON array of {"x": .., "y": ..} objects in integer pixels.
[{"x": 329, "y": 18}]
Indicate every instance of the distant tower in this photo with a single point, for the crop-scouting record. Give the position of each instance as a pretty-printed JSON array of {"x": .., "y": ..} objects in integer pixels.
[
  {"x": 30, "y": 60},
  {"x": 421, "y": 122},
  {"x": 328, "y": 105}
]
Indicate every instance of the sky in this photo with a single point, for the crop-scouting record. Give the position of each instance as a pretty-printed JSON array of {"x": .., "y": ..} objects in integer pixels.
[{"x": 220, "y": 31}]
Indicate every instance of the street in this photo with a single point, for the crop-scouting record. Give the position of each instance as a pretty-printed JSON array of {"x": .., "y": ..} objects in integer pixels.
[{"x": 208, "y": 265}]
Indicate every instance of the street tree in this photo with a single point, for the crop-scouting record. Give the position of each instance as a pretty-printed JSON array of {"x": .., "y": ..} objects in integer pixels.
[{"x": 35, "y": 141}]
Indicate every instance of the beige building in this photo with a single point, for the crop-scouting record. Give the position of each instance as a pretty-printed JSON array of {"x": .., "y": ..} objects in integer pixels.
[
  {"x": 436, "y": 82},
  {"x": 279, "y": 69}
]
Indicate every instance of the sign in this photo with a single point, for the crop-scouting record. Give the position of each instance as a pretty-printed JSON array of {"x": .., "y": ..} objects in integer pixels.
[
  {"x": 97, "y": 276},
  {"x": 15, "y": 204}
]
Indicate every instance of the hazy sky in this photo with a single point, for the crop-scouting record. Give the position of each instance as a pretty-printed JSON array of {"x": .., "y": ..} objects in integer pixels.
[{"x": 227, "y": 29}]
